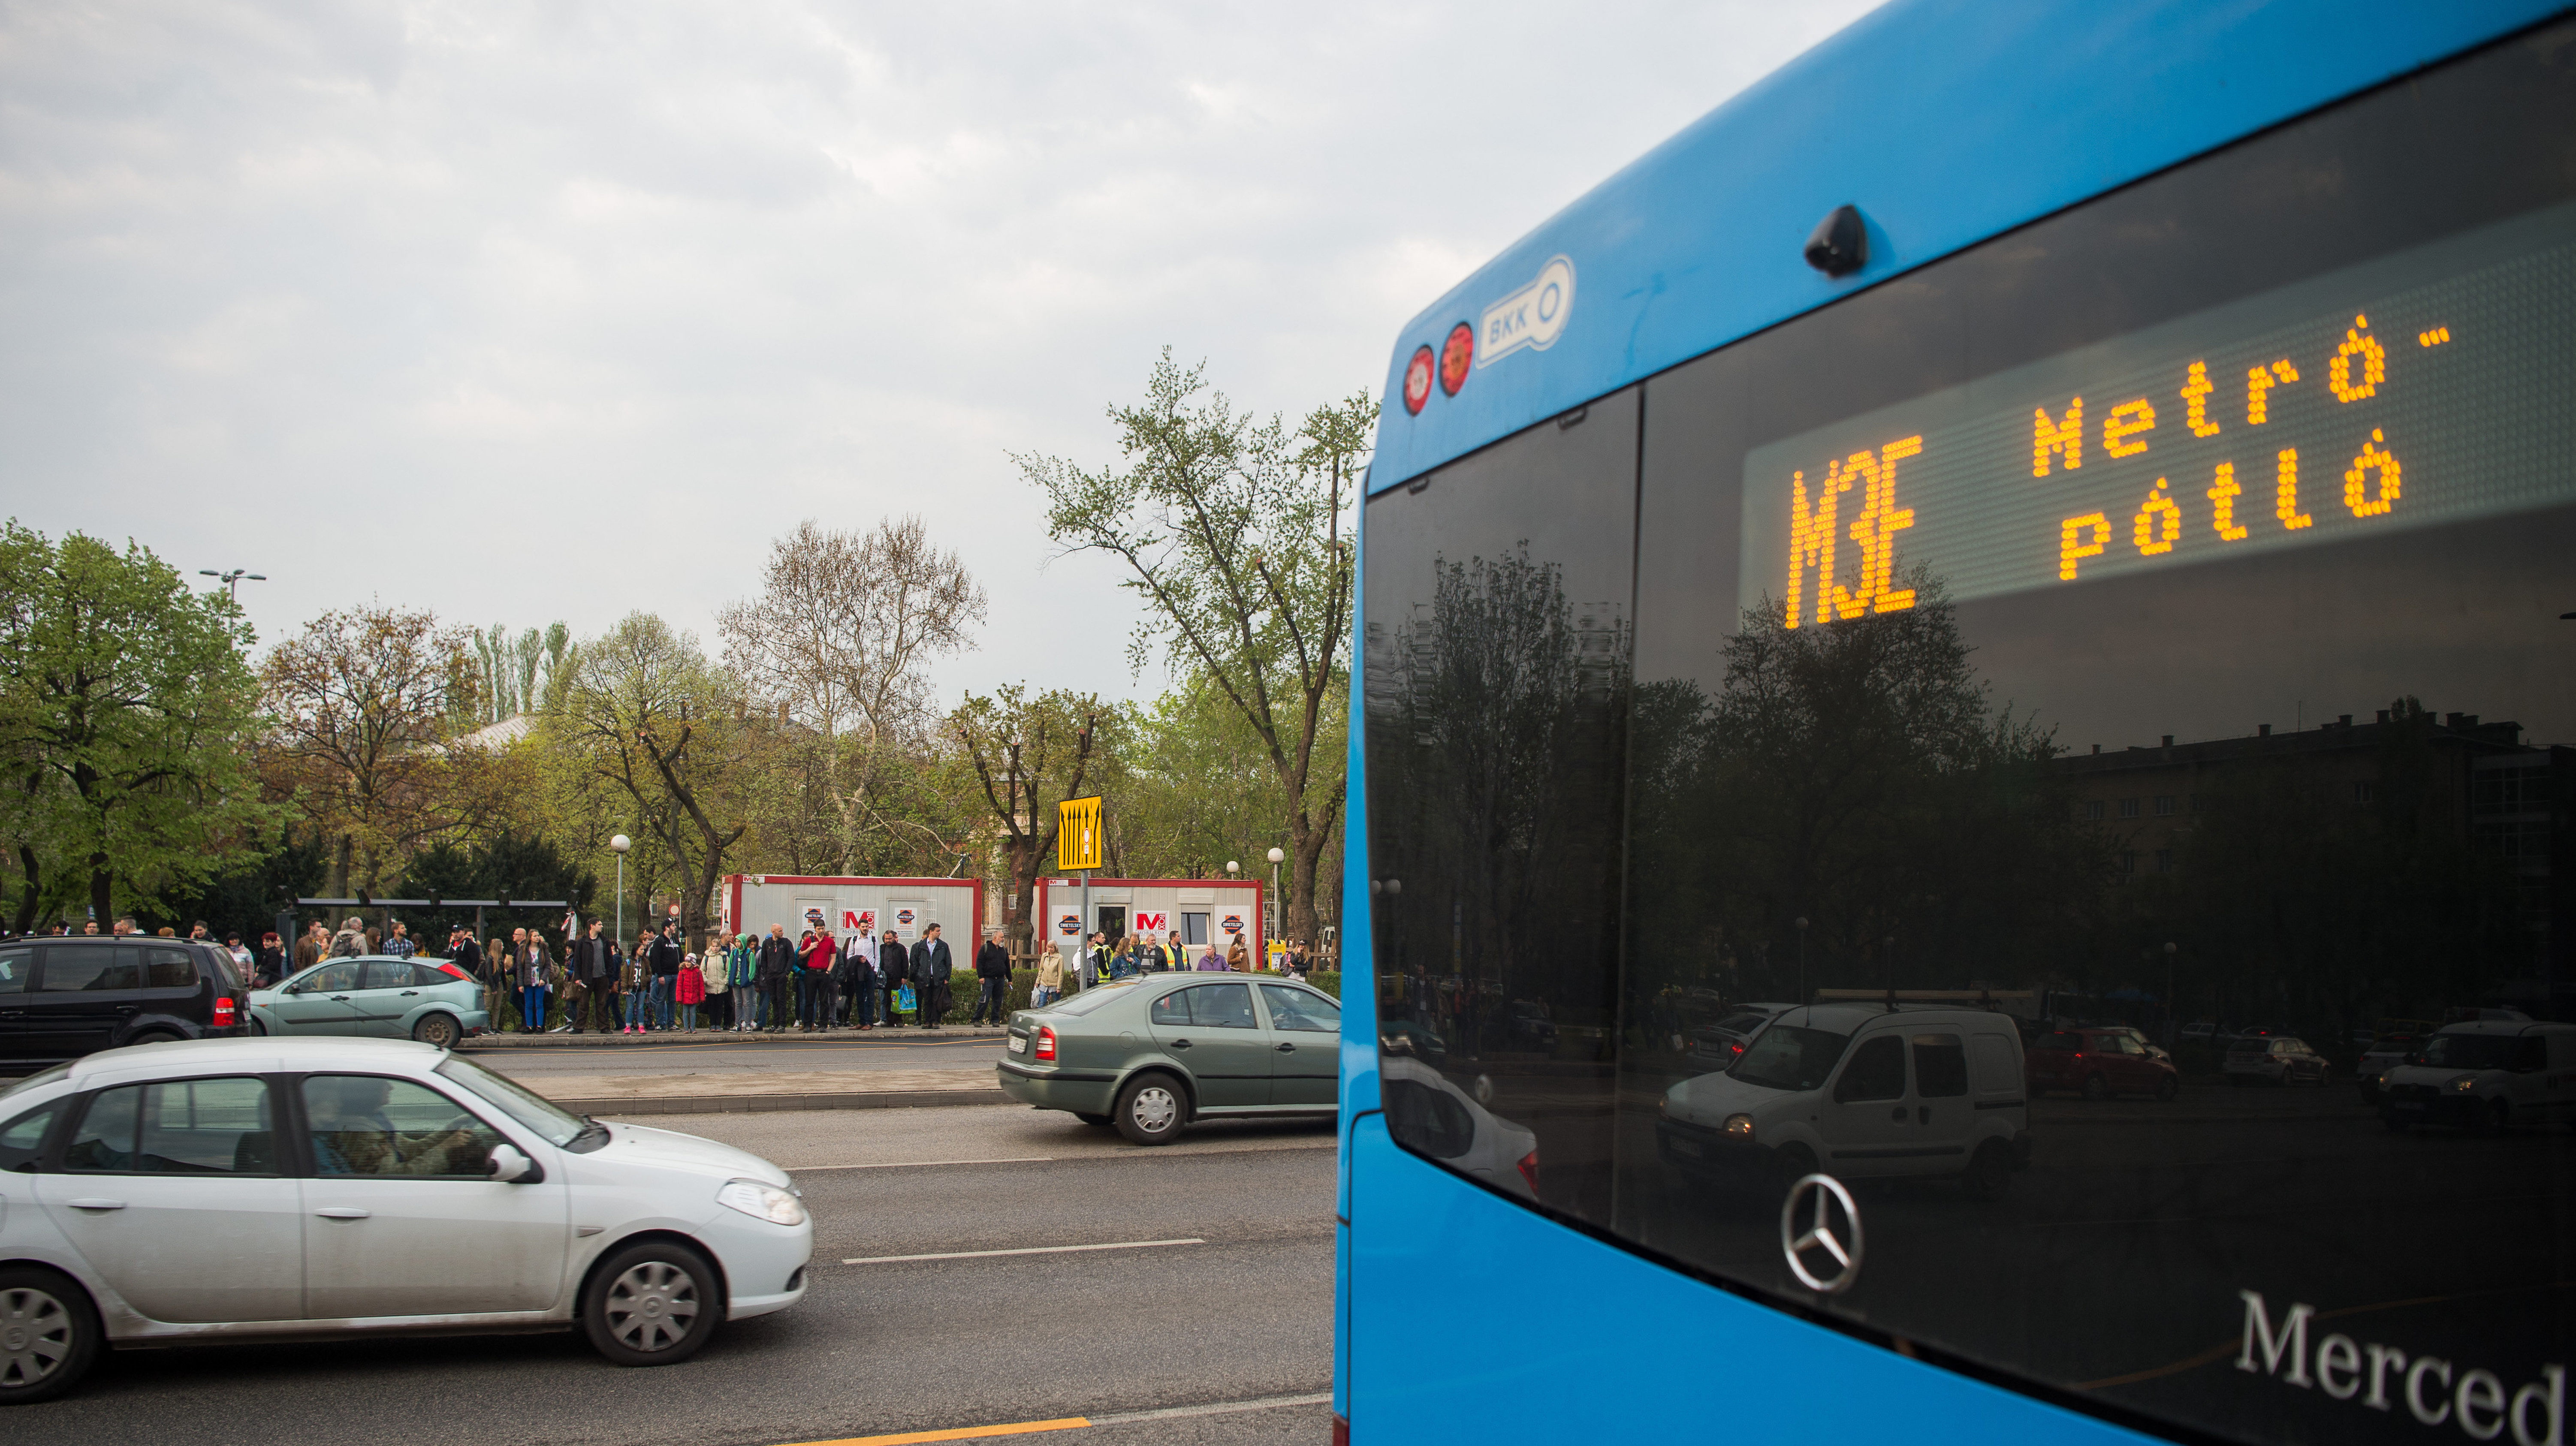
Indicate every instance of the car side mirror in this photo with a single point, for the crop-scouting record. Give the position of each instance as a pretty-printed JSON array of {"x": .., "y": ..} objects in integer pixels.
[{"x": 509, "y": 1167}]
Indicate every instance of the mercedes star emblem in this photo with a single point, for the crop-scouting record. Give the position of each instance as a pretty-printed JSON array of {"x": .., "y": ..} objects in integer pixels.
[{"x": 1812, "y": 1200}]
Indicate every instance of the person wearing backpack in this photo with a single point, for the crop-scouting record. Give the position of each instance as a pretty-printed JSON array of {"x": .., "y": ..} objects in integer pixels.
[{"x": 742, "y": 980}]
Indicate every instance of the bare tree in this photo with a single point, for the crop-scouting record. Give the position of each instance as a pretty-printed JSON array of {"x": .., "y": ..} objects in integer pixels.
[
  {"x": 1028, "y": 755},
  {"x": 840, "y": 640},
  {"x": 359, "y": 702}
]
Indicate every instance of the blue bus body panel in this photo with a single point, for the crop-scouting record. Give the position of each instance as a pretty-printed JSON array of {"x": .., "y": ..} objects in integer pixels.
[
  {"x": 1944, "y": 122},
  {"x": 1475, "y": 1319}
]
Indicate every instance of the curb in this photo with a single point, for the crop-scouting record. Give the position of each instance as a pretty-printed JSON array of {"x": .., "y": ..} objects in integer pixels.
[{"x": 758, "y": 1104}]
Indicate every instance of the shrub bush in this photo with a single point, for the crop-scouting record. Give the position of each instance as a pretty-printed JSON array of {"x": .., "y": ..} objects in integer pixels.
[{"x": 1329, "y": 981}]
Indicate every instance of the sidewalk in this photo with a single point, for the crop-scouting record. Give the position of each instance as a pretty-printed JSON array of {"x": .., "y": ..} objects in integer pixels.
[
  {"x": 738, "y": 1090},
  {"x": 665, "y": 1039},
  {"x": 791, "y": 1089}
]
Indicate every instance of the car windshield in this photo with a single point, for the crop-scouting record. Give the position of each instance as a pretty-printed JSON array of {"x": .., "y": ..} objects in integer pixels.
[
  {"x": 560, "y": 1128},
  {"x": 1785, "y": 1057},
  {"x": 34, "y": 1081},
  {"x": 1088, "y": 1000},
  {"x": 2470, "y": 1051}
]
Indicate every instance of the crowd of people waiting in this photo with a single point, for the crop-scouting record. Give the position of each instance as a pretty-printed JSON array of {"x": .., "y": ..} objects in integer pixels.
[{"x": 743, "y": 983}]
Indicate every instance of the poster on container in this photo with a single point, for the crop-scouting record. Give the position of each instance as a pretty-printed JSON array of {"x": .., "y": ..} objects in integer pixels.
[
  {"x": 859, "y": 921},
  {"x": 1152, "y": 923}
]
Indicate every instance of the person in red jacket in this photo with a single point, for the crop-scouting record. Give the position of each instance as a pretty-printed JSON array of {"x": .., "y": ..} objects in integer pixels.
[{"x": 814, "y": 982}]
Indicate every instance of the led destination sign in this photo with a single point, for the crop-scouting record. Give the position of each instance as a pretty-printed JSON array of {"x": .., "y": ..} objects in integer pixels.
[{"x": 2433, "y": 386}]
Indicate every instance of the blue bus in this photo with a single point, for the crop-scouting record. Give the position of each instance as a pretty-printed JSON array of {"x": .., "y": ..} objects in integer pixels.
[{"x": 1960, "y": 768}]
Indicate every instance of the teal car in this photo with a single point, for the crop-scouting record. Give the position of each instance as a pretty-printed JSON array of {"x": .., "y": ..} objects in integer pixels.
[
  {"x": 375, "y": 995},
  {"x": 1151, "y": 1055}
]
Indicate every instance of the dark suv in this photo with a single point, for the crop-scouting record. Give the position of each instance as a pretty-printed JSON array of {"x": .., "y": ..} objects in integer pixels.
[{"x": 61, "y": 998}]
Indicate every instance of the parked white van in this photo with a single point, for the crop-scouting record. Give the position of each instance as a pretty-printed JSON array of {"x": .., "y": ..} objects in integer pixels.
[
  {"x": 2486, "y": 1075},
  {"x": 1861, "y": 1090}
]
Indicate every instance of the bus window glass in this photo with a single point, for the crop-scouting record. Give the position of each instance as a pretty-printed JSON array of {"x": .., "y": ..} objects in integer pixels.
[
  {"x": 2146, "y": 619},
  {"x": 1496, "y": 663}
]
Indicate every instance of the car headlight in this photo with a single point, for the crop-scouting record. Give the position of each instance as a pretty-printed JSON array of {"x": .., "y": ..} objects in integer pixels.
[
  {"x": 1739, "y": 1127},
  {"x": 2464, "y": 1083},
  {"x": 762, "y": 1201}
]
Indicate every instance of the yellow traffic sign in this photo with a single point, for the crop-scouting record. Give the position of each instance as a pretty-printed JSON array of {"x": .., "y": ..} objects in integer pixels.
[{"x": 1077, "y": 834}]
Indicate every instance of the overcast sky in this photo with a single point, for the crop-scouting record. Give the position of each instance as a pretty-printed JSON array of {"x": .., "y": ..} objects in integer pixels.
[{"x": 536, "y": 311}]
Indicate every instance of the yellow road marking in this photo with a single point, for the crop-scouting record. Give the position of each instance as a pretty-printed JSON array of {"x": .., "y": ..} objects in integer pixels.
[{"x": 961, "y": 1433}]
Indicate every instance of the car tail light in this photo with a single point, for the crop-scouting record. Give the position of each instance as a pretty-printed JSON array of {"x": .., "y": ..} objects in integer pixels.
[
  {"x": 452, "y": 970},
  {"x": 1529, "y": 1169},
  {"x": 1046, "y": 1042},
  {"x": 1735, "y": 1046},
  {"x": 1341, "y": 1431},
  {"x": 224, "y": 1011}
]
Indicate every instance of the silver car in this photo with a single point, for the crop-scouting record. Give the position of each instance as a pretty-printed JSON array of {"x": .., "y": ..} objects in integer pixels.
[
  {"x": 374, "y": 995},
  {"x": 212, "y": 1191}
]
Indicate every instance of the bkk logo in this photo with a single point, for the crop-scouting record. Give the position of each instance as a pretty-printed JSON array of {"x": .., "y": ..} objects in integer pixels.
[
  {"x": 1532, "y": 317},
  {"x": 2434, "y": 1392}
]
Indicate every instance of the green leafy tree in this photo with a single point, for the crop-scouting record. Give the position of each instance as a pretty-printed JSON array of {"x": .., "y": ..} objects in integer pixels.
[
  {"x": 643, "y": 725},
  {"x": 1231, "y": 529},
  {"x": 127, "y": 708},
  {"x": 1025, "y": 756}
]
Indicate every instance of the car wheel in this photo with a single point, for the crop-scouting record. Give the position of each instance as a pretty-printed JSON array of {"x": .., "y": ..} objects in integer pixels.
[
  {"x": 2167, "y": 1088},
  {"x": 1151, "y": 1110},
  {"x": 1989, "y": 1171},
  {"x": 2395, "y": 1125},
  {"x": 2495, "y": 1119},
  {"x": 437, "y": 1029},
  {"x": 652, "y": 1304},
  {"x": 48, "y": 1334},
  {"x": 258, "y": 1026},
  {"x": 1097, "y": 1122},
  {"x": 2095, "y": 1089},
  {"x": 153, "y": 1036}
]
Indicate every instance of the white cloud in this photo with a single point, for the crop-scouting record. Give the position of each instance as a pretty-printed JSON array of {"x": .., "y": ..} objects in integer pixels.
[{"x": 526, "y": 313}]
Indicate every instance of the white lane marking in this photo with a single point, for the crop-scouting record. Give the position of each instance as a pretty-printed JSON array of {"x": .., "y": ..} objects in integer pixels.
[
  {"x": 1221, "y": 1408},
  {"x": 1024, "y": 1250},
  {"x": 916, "y": 1164}
]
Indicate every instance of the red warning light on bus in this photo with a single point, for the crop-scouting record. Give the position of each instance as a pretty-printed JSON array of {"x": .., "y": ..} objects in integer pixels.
[
  {"x": 1456, "y": 356},
  {"x": 1417, "y": 382}
]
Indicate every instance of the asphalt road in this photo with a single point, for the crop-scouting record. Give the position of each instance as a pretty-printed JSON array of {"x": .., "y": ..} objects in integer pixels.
[
  {"x": 873, "y": 1050},
  {"x": 1217, "y": 1342}
]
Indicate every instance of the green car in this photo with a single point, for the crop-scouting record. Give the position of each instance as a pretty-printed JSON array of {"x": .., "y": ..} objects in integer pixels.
[
  {"x": 380, "y": 995},
  {"x": 1150, "y": 1055}
]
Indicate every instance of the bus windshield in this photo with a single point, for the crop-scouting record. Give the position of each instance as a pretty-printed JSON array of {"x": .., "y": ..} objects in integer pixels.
[{"x": 1969, "y": 635}]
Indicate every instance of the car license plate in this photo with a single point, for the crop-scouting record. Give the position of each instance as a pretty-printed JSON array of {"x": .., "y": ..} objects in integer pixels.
[
  {"x": 1019, "y": 1044},
  {"x": 1687, "y": 1147},
  {"x": 2411, "y": 1106}
]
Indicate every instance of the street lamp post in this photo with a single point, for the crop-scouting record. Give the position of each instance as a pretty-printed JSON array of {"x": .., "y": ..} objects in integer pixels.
[
  {"x": 1802, "y": 958},
  {"x": 2173, "y": 1021},
  {"x": 618, "y": 846},
  {"x": 231, "y": 580},
  {"x": 1277, "y": 858}
]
